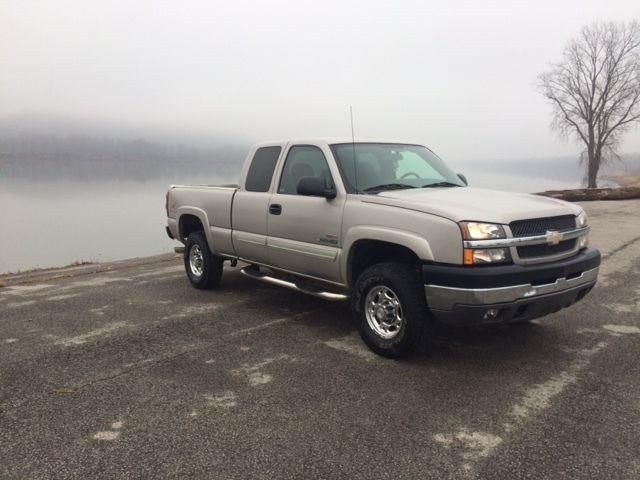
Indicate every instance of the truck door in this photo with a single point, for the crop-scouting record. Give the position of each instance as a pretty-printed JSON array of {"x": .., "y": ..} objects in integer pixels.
[
  {"x": 251, "y": 203},
  {"x": 304, "y": 231}
]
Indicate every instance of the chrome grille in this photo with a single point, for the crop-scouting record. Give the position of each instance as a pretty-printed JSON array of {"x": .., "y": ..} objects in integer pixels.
[{"x": 540, "y": 226}]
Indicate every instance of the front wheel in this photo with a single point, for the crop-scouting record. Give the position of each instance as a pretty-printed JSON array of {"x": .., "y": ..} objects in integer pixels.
[
  {"x": 204, "y": 269},
  {"x": 389, "y": 308}
]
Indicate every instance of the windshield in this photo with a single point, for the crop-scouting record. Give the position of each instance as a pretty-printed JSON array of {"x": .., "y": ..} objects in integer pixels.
[{"x": 385, "y": 166}]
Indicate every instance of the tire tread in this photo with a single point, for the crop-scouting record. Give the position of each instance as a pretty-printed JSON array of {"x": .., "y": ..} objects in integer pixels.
[{"x": 405, "y": 281}]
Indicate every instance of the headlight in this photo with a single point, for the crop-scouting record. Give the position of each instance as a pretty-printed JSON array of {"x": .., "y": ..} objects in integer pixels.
[
  {"x": 581, "y": 220},
  {"x": 486, "y": 255},
  {"x": 481, "y": 231}
]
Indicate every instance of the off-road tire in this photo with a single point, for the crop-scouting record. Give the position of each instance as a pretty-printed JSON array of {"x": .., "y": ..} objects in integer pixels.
[
  {"x": 211, "y": 266},
  {"x": 406, "y": 283}
]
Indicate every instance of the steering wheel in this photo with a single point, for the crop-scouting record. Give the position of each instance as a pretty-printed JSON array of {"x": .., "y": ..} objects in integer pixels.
[{"x": 409, "y": 173}]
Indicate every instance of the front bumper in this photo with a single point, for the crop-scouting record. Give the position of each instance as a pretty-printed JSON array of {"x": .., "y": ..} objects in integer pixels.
[{"x": 464, "y": 295}]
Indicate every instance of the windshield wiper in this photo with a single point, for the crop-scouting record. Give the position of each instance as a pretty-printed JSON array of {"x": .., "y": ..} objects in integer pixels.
[
  {"x": 388, "y": 186},
  {"x": 440, "y": 184}
]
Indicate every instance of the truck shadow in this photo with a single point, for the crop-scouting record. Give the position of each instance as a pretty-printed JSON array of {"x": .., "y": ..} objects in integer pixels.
[{"x": 491, "y": 344}]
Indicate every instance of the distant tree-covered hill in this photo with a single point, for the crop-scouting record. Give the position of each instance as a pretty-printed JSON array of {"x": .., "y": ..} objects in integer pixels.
[
  {"x": 89, "y": 158},
  {"x": 57, "y": 150}
]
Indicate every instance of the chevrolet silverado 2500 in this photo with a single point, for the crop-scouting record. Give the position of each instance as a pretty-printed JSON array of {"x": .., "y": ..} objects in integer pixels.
[{"x": 391, "y": 227}]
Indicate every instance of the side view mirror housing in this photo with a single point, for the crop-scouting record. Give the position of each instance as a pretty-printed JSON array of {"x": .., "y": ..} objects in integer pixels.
[
  {"x": 315, "y": 187},
  {"x": 463, "y": 178}
]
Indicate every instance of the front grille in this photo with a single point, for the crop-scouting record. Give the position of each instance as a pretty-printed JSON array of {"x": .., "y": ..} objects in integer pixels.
[
  {"x": 540, "y": 226},
  {"x": 542, "y": 250}
]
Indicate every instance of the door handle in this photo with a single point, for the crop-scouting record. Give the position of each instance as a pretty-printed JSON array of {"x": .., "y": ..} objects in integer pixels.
[{"x": 275, "y": 209}]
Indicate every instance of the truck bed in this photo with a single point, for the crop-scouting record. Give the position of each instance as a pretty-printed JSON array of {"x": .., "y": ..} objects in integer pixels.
[{"x": 215, "y": 200}]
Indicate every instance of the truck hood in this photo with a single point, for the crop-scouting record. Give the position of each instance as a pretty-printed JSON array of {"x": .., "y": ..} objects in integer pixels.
[{"x": 468, "y": 203}]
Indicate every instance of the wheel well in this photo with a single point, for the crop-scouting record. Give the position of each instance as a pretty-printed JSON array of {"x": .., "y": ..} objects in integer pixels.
[
  {"x": 189, "y": 224},
  {"x": 365, "y": 253}
]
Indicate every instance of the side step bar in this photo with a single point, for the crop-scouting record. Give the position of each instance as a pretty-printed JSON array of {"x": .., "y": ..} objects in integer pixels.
[{"x": 253, "y": 272}]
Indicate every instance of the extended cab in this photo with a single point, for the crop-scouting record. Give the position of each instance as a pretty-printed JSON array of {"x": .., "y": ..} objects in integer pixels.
[{"x": 391, "y": 227}]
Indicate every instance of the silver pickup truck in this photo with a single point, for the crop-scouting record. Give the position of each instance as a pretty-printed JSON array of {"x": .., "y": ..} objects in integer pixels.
[{"x": 391, "y": 227}]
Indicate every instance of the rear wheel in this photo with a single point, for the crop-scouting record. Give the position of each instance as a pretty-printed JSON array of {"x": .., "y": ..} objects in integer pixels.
[
  {"x": 390, "y": 309},
  {"x": 204, "y": 269}
]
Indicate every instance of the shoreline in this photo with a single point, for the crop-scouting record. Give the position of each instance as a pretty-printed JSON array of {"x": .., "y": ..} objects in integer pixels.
[
  {"x": 43, "y": 274},
  {"x": 594, "y": 194}
]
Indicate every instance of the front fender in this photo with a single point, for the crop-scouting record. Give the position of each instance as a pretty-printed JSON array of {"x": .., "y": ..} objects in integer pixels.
[{"x": 414, "y": 242}]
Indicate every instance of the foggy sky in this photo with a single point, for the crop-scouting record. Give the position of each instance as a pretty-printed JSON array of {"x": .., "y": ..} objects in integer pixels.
[{"x": 460, "y": 79}]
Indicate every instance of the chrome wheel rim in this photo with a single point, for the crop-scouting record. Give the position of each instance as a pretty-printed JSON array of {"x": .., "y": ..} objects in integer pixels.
[
  {"x": 196, "y": 260},
  {"x": 384, "y": 312}
]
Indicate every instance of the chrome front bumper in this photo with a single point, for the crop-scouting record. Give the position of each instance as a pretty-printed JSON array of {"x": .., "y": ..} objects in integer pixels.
[{"x": 446, "y": 298}]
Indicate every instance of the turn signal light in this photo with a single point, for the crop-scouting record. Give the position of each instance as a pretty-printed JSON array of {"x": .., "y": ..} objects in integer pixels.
[{"x": 468, "y": 256}]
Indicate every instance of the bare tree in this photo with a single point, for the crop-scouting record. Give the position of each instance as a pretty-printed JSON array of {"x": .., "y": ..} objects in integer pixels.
[{"x": 595, "y": 89}]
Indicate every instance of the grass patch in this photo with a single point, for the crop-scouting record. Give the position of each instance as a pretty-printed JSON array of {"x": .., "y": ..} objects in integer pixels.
[{"x": 77, "y": 263}]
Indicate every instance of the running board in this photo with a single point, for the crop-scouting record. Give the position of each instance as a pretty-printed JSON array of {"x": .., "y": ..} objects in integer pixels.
[{"x": 253, "y": 272}]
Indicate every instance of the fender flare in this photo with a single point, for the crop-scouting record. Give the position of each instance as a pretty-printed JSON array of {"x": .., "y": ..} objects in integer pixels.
[
  {"x": 414, "y": 242},
  {"x": 200, "y": 215}
]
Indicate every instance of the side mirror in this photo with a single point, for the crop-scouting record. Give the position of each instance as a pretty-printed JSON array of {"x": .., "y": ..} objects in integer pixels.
[
  {"x": 463, "y": 178},
  {"x": 315, "y": 187}
]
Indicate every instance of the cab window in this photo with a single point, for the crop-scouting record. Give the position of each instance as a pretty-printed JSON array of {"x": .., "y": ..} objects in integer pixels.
[{"x": 303, "y": 161}]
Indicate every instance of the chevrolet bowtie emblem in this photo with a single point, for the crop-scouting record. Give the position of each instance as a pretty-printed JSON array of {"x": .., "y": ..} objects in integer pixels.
[{"x": 554, "y": 238}]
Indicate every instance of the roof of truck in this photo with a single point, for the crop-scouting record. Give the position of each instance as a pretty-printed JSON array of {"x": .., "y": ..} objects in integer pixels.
[{"x": 335, "y": 140}]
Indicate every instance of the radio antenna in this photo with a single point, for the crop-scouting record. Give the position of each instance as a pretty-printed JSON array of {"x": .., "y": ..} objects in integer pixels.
[{"x": 353, "y": 146}]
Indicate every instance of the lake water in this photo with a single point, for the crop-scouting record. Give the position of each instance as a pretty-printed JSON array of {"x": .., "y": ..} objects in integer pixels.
[{"x": 49, "y": 224}]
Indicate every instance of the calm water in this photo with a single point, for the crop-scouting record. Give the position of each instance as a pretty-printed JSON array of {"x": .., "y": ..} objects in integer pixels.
[
  {"x": 54, "y": 224},
  {"x": 48, "y": 224}
]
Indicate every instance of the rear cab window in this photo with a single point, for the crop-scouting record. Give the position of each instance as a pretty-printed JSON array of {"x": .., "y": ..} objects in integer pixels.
[{"x": 261, "y": 169}]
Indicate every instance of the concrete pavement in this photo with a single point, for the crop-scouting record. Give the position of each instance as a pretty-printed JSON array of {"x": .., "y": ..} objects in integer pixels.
[{"x": 128, "y": 372}]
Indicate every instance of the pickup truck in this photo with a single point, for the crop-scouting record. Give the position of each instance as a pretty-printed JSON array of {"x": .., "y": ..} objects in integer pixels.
[{"x": 389, "y": 226}]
